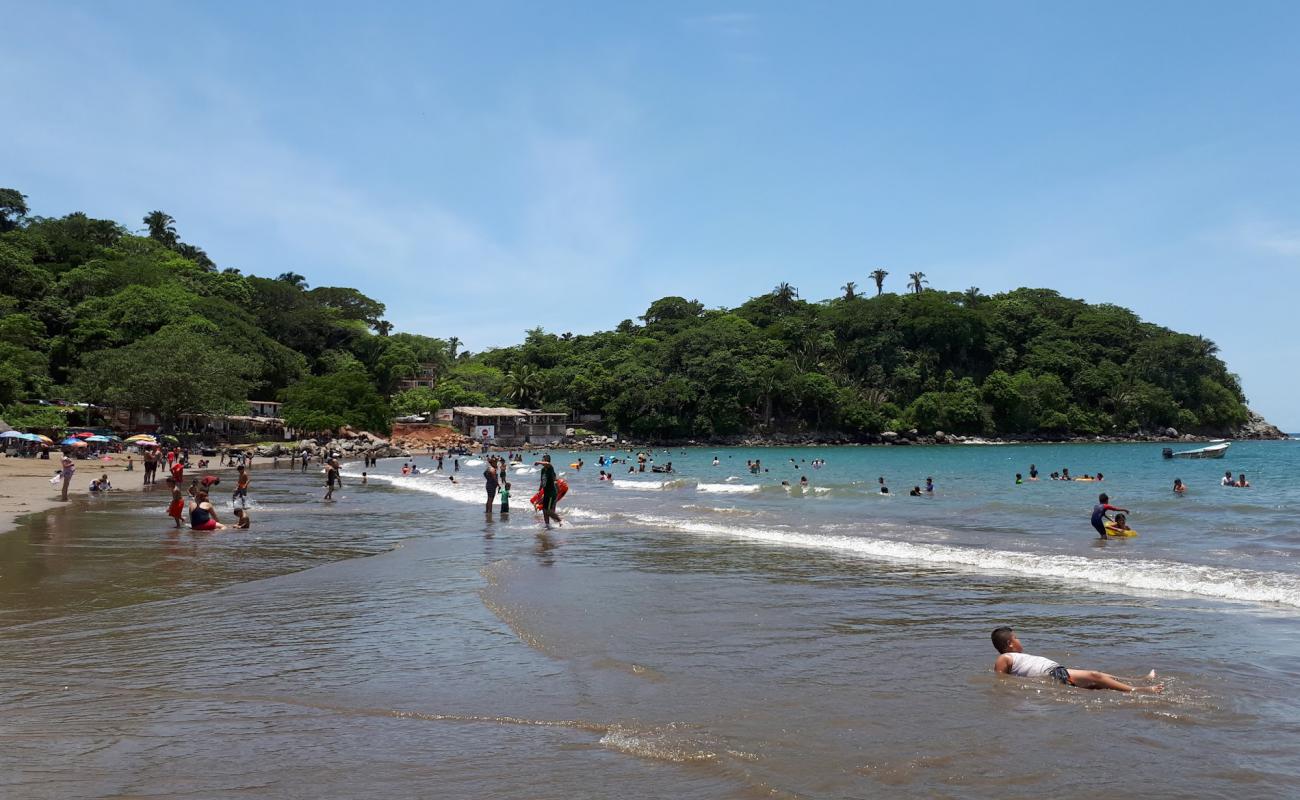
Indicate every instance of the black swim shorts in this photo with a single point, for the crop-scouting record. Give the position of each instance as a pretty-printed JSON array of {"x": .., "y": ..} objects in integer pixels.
[{"x": 1062, "y": 674}]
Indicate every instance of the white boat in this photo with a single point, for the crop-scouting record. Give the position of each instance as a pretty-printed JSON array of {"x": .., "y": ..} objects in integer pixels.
[{"x": 1210, "y": 451}]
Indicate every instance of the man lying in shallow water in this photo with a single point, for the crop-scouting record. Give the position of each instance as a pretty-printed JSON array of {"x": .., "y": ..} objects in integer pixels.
[{"x": 1012, "y": 660}]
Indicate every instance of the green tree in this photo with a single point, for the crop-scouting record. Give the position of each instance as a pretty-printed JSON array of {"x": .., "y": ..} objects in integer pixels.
[
  {"x": 918, "y": 282},
  {"x": 172, "y": 372},
  {"x": 329, "y": 402},
  {"x": 162, "y": 228},
  {"x": 879, "y": 277},
  {"x": 13, "y": 209}
]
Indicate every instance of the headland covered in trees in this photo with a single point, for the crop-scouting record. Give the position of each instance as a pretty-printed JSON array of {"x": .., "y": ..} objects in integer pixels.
[{"x": 91, "y": 312}]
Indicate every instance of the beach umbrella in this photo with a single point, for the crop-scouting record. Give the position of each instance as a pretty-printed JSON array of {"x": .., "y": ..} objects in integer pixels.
[
  {"x": 97, "y": 439},
  {"x": 12, "y": 435},
  {"x": 79, "y": 443},
  {"x": 44, "y": 438},
  {"x": 71, "y": 440},
  {"x": 141, "y": 437},
  {"x": 33, "y": 437},
  {"x": 83, "y": 435}
]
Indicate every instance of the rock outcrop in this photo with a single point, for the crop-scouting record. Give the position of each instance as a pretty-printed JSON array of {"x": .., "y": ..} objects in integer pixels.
[{"x": 1257, "y": 427}]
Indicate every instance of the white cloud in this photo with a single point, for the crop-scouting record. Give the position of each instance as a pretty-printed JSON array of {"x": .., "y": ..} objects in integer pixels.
[{"x": 1268, "y": 238}]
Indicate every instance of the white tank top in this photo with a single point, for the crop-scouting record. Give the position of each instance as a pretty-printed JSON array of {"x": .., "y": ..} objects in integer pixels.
[{"x": 1027, "y": 666}]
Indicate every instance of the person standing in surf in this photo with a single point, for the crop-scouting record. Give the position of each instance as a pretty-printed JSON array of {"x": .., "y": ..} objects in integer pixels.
[
  {"x": 241, "y": 488},
  {"x": 550, "y": 491},
  {"x": 332, "y": 477},
  {"x": 490, "y": 482},
  {"x": 1099, "y": 518}
]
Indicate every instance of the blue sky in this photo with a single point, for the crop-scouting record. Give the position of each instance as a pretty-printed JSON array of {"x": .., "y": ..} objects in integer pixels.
[{"x": 486, "y": 167}]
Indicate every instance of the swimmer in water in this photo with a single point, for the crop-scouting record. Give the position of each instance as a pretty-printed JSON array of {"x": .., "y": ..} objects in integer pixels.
[
  {"x": 929, "y": 485},
  {"x": 242, "y": 520},
  {"x": 1121, "y": 523},
  {"x": 1179, "y": 488},
  {"x": 1019, "y": 480},
  {"x": 916, "y": 491},
  {"x": 883, "y": 488},
  {"x": 203, "y": 517},
  {"x": 1099, "y": 518},
  {"x": 1012, "y": 660}
]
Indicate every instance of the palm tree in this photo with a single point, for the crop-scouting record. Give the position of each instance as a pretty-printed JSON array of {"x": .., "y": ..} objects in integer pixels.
[
  {"x": 879, "y": 277},
  {"x": 162, "y": 228},
  {"x": 294, "y": 279},
  {"x": 850, "y": 290},
  {"x": 918, "y": 282},
  {"x": 971, "y": 296},
  {"x": 523, "y": 383},
  {"x": 785, "y": 293},
  {"x": 383, "y": 327},
  {"x": 452, "y": 344}
]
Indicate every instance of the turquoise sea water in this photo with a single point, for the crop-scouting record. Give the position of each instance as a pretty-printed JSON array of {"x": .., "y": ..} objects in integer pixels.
[
  {"x": 1212, "y": 541},
  {"x": 704, "y": 634}
]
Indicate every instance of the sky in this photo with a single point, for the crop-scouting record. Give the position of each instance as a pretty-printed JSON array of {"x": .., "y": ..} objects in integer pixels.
[{"x": 484, "y": 168}]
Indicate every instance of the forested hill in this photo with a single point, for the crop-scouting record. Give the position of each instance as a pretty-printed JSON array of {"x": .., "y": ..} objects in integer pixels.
[{"x": 89, "y": 311}]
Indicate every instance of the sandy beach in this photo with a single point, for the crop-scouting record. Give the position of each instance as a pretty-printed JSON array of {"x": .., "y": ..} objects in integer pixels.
[{"x": 25, "y": 486}]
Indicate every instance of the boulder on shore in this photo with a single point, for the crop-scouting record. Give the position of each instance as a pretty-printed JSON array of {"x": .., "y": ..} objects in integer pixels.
[{"x": 1257, "y": 427}]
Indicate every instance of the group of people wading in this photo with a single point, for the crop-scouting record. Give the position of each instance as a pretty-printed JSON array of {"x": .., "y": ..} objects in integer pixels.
[{"x": 495, "y": 481}]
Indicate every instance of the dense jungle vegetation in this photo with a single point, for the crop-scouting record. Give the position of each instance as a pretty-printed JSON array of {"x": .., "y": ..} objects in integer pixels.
[{"x": 92, "y": 312}]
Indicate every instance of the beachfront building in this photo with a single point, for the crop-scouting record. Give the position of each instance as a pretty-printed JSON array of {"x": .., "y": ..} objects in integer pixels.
[
  {"x": 264, "y": 408},
  {"x": 509, "y": 426}
]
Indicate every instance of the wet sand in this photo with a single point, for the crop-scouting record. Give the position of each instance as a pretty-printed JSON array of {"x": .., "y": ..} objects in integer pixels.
[{"x": 25, "y": 486}]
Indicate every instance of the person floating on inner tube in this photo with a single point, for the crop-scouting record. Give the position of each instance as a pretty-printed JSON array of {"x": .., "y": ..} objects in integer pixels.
[{"x": 1099, "y": 516}]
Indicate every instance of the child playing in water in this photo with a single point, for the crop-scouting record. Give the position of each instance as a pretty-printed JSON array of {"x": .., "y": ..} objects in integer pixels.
[
  {"x": 1012, "y": 660},
  {"x": 1179, "y": 488},
  {"x": 242, "y": 520},
  {"x": 1099, "y": 518},
  {"x": 504, "y": 495},
  {"x": 177, "y": 507},
  {"x": 1121, "y": 523}
]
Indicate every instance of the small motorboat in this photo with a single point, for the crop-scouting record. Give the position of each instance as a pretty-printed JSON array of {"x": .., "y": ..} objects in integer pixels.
[{"x": 1211, "y": 451}]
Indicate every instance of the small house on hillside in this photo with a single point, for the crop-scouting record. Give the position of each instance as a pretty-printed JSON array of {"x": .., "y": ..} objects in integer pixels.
[
  {"x": 509, "y": 426},
  {"x": 264, "y": 408},
  {"x": 425, "y": 377}
]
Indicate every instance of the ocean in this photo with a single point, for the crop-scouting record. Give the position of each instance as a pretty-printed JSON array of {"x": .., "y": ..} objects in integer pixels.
[{"x": 709, "y": 633}]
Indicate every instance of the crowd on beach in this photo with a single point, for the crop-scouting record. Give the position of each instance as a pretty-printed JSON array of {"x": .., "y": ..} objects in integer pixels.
[{"x": 193, "y": 504}]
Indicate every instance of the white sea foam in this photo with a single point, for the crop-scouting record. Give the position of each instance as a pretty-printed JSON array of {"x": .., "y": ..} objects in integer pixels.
[
  {"x": 626, "y": 484},
  {"x": 728, "y": 488},
  {"x": 1114, "y": 574},
  {"x": 429, "y": 484},
  {"x": 474, "y": 462}
]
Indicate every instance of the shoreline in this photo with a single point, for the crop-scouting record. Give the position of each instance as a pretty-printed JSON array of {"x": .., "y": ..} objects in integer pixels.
[
  {"x": 25, "y": 487},
  {"x": 891, "y": 439}
]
